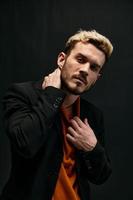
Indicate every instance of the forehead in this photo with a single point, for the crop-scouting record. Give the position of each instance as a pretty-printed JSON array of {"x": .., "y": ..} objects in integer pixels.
[{"x": 89, "y": 51}]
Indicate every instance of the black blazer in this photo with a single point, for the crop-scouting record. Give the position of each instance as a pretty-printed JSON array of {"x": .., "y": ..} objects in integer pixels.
[{"x": 32, "y": 122}]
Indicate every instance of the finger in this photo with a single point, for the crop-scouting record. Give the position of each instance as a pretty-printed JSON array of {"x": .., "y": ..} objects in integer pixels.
[
  {"x": 79, "y": 121},
  {"x": 44, "y": 82},
  {"x": 57, "y": 73},
  {"x": 50, "y": 75},
  {"x": 70, "y": 138},
  {"x": 46, "y": 78},
  {"x": 72, "y": 131},
  {"x": 75, "y": 125},
  {"x": 57, "y": 70}
]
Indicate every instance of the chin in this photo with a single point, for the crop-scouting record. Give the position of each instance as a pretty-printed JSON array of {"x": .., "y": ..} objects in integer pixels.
[
  {"x": 75, "y": 91},
  {"x": 73, "y": 88}
]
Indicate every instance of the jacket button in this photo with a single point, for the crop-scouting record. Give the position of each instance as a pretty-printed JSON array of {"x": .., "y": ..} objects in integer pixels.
[
  {"x": 57, "y": 102},
  {"x": 55, "y": 105}
]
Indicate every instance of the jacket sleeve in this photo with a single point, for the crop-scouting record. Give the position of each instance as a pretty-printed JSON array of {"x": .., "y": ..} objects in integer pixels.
[
  {"x": 28, "y": 115},
  {"x": 96, "y": 163}
]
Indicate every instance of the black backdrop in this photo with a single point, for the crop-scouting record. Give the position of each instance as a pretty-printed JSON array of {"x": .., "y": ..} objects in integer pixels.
[{"x": 33, "y": 33}]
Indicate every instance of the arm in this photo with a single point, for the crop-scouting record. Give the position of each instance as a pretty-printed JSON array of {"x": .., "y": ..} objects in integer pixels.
[{"x": 27, "y": 119}]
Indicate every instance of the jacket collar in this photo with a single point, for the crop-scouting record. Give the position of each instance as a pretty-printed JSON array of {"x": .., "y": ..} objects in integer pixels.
[{"x": 83, "y": 110}]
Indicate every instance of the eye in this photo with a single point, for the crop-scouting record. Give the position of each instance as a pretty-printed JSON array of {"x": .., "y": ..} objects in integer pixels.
[
  {"x": 95, "y": 67},
  {"x": 81, "y": 60}
]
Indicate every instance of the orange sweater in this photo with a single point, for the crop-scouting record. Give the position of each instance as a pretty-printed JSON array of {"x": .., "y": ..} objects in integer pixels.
[{"x": 67, "y": 186}]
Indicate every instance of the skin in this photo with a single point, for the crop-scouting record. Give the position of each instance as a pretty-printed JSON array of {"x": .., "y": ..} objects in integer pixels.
[{"x": 77, "y": 72}]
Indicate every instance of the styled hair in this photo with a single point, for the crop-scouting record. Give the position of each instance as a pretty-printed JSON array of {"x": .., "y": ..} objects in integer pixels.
[{"x": 93, "y": 37}]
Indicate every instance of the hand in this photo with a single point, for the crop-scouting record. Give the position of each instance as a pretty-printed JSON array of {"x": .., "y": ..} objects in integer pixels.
[
  {"x": 81, "y": 135},
  {"x": 52, "y": 79}
]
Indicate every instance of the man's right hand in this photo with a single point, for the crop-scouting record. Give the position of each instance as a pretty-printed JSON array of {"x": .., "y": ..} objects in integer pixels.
[{"x": 53, "y": 79}]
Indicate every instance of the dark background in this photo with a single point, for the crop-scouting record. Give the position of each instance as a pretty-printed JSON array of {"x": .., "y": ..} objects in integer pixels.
[{"x": 32, "y": 33}]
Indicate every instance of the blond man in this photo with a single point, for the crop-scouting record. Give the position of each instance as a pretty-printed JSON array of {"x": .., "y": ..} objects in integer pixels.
[{"x": 57, "y": 138}]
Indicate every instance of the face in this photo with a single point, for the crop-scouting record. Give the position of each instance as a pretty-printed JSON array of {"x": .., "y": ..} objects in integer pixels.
[{"x": 81, "y": 68}]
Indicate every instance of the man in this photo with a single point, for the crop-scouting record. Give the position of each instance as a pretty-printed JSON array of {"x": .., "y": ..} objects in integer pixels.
[{"x": 57, "y": 137}]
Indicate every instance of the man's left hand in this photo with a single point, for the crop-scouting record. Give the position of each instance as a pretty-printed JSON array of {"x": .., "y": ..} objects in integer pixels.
[{"x": 81, "y": 135}]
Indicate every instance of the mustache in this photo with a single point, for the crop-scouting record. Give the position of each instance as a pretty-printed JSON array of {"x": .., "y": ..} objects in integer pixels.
[{"x": 81, "y": 77}]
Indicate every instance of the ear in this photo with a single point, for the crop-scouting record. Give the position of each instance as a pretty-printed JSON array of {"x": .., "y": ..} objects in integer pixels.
[
  {"x": 61, "y": 59},
  {"x": 99, "y": 76}
]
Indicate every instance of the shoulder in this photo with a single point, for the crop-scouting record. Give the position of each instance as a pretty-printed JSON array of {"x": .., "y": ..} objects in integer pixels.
[
  {"x": 25, "y": 91},
  {"x": 25, "y": 86}
]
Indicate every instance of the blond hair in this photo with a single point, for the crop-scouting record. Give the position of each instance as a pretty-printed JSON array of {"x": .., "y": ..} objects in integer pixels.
[{"x": 93, "y": 37}]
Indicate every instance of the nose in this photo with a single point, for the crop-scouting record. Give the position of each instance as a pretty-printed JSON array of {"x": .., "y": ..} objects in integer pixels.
[{"x": 85, "y": 69}]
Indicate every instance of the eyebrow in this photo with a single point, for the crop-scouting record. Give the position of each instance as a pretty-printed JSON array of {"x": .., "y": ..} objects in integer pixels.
[{"x": 86, "y": 58}]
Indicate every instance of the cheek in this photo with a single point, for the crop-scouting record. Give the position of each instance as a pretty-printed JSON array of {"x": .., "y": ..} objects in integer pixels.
[
  {"x": 92, "y": 79},
  {"x": 66, "y": 72}
]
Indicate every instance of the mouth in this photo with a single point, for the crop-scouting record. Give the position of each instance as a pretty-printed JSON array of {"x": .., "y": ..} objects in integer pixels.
[{"x": 81, "y": 80}]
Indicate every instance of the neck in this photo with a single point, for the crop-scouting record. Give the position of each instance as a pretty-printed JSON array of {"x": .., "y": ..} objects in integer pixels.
[{"x": 69, "y": 100}]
